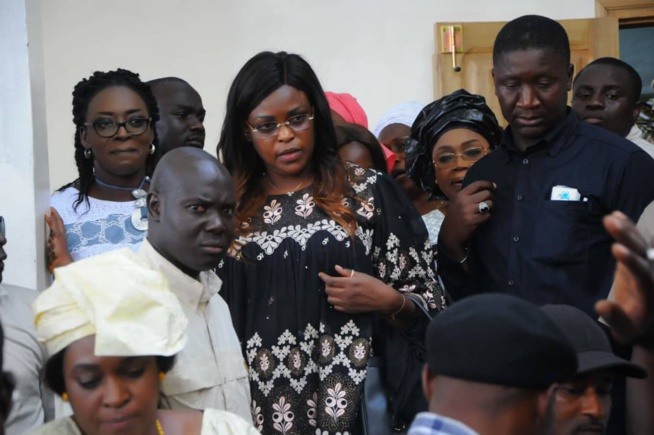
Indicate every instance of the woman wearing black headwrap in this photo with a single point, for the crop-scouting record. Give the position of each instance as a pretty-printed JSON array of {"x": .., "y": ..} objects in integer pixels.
[{"x": 447, "y": 138}]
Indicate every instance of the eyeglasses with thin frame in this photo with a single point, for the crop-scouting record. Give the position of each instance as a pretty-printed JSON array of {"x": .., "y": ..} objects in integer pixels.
[
  {"x": 297, "y": 122},
  {"x": 2, "y": 226},
  {"x": 109, "y": 128},
  {"x": 449, "y": 160}
]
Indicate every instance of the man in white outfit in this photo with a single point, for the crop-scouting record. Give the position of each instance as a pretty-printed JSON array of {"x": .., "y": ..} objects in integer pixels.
[{"x": 191, "y": 225}]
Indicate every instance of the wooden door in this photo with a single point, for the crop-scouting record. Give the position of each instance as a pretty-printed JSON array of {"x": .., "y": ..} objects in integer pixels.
[{"x": 589, "y": 39}]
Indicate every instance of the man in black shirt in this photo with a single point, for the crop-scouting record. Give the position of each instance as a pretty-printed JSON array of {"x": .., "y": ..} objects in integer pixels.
[{"x": 529, "y": 219}]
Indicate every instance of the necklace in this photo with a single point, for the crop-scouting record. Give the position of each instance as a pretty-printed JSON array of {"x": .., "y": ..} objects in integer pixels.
[
  {"x": 290, "y": 192},
  {"x": 140, "y": 216},
  {"x": 139, "y": 194},
  {"x": 159, "y": 428}
]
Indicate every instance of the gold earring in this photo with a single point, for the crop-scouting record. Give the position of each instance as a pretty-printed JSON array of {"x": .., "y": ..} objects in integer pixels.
[
  {"x": 64, "y": 397},
  {"x": 162, "y": 376}
]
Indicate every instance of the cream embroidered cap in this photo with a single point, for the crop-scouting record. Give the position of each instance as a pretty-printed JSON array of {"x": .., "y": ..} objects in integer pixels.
[{"x": 116, "y": 296}]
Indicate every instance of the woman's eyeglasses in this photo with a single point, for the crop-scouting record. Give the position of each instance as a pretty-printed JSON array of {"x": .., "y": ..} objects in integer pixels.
[
  {"x": 450, "y": 160},
  {"x": 269, "y": 129},
  {"x": 108, "y": 128}
]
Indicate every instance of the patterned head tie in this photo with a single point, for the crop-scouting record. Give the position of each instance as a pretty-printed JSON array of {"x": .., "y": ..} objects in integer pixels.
[{"x": 460, "y": 109}]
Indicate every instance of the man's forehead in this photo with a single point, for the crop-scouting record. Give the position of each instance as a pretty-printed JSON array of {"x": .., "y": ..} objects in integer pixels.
[
  {"x": 203, "y": 176},
  {"x": 177, "y": 93},
  {"x": 219, "y": 190},
  {"x": 603, "y": 75},
  {"x": 536, "y": 57}
]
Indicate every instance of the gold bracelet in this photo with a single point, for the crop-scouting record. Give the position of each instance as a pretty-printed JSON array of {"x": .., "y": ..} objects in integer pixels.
[{"x": 401, "y": 308}]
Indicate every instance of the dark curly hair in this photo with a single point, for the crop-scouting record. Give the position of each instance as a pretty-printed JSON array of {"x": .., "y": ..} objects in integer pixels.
[{"x": 83, "y": 93}]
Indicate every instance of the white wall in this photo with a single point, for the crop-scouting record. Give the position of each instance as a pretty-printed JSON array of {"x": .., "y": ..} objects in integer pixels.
[
  {"x": 378, "y": 50},
  {"x": 24, "y": 194}
]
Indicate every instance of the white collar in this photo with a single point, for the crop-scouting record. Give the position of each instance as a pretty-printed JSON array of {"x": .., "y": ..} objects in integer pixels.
[{"x": 190, "y": 291}]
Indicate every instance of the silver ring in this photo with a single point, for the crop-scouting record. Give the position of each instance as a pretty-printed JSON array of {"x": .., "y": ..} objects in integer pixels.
[{"x": 483, "y": 207}]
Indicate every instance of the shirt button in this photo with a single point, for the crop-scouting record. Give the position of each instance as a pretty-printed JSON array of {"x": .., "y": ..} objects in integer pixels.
[
  {"x": 519, "y": 197},
  {"x": 511, "y": 283},
  {"x": 516, "y": 238},
  {"x": 525, "y": 161}
]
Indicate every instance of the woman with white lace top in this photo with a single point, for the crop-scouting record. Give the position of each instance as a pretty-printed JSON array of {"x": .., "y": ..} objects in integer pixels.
[{"x": 115, "y": 141}]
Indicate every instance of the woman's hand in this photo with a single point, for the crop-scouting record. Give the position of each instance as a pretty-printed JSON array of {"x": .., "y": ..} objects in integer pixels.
[
  {"x": 463, "y": 217},
  {"x": 57, "y": 254},
  {"x": 357, "y": 292}
]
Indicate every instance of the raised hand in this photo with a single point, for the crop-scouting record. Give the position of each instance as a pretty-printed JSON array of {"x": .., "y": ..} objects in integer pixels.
[
  {"x": 631, "y": 312},
  {"x": 464, "y": 215},
  {"x": 56, "y": 249}
]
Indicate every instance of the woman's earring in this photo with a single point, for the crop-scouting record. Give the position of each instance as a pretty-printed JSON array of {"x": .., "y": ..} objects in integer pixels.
[
  {"x": 162, "y": 376},
  {"x": 88, "y": 153},
  {"x": 152, "y": 148},
  {"x": 64, "y": 397}
]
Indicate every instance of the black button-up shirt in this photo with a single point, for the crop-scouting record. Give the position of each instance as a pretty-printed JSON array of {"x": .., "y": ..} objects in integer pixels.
[{"x": 548, "y": 251}]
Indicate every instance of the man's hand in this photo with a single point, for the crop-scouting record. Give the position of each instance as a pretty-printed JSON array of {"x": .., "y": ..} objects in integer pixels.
[{"x": 631, "y": 312}]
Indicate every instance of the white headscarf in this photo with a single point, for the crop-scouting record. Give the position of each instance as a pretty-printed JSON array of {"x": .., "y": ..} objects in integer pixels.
[
  {"x": 403, "y": 113},
  {"x": 128, "y": 306}
]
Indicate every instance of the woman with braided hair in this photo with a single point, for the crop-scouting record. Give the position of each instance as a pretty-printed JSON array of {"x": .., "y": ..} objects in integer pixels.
[{"x": 115, "y": 143}]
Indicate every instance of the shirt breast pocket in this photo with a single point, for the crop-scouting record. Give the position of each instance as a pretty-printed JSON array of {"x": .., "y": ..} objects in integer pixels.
[{"x": 562, "y": 232}]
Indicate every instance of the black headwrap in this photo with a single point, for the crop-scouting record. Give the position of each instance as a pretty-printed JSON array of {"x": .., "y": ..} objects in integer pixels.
[{"x": 460, "y": 109}]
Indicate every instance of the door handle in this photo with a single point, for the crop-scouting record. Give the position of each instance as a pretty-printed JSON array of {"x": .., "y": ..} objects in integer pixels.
[{"x": 452, "y": 43}]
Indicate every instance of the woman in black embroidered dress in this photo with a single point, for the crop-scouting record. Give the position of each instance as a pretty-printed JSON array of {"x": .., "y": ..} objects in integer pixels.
[{"x": 325, "y": 251}]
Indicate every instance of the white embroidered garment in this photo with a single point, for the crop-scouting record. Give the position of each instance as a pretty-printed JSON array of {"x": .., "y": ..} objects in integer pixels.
[
  {"x": 97, "y": 227},
  {"x": 307, "y": 362},
  {"x": 433, "y": 221},
  {"x": 636, "y": 136},
  {"x": 214, "y": 422},
  {"x": 210, "y": 371}
]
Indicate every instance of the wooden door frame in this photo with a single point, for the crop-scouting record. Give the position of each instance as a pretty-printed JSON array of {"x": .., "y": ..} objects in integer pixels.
[{"x": 628, "y": 12}]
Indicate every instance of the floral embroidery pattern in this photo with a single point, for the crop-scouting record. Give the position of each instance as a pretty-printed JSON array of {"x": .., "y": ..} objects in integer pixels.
[
  {"x": 257, "y": 417},
  {"x": 296, "y": 362},
  {"x": 312, "y": 412},
  {"x": 283, "y": 416},
  {"x": 336, "y": 402},
  {"x": 366, "y": 210},
  {"x": 273, "y": 212},
  {"x": 341, "y": 368},
  {"x": 307, "y": 375},
  {"x": 305, "y": 206},
  {"x": 359, "y": 351}
]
